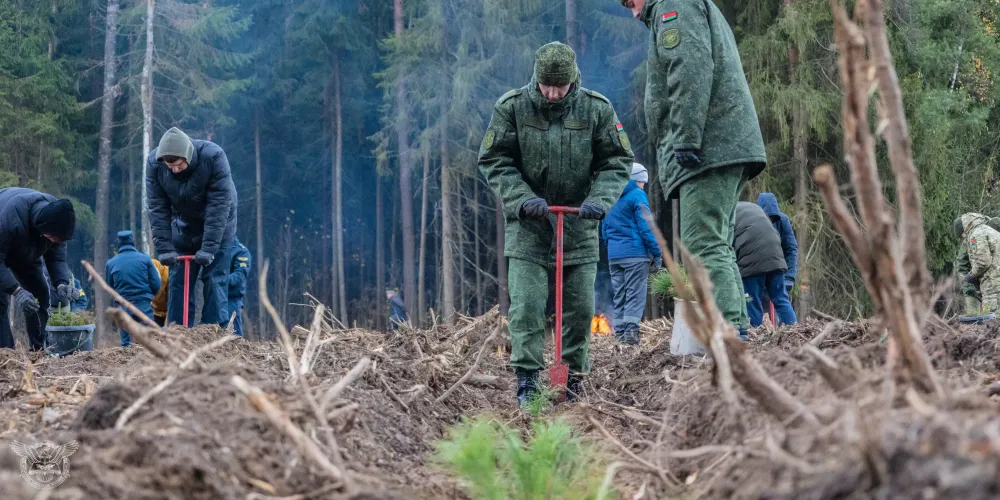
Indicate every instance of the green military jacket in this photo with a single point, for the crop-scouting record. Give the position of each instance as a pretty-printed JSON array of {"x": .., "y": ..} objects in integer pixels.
[
  {"x": 983, "y": 243},
  {"x": 697, "y": 97},
  {"x": 962, "y": 263},
  {"x": 566, "y": 152}
]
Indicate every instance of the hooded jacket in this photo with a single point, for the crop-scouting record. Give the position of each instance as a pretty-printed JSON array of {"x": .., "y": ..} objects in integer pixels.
[
  {"x": 196, "y": 209},
  {"x": 625, "y": 230},
  {"x": 565, "y": 152},
  {"x": 757, "y": 244},
  {"x": 781, "y": 223},
  {"x": 239, "y": 271},
  {"x": 697, "y": 96},
  {"x": 21, "y": 245},
  {"x": 132, "y": 274}
]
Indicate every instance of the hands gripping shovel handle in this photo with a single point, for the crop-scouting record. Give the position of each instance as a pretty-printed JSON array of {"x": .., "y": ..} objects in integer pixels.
[{"x": 558, "y": 372}]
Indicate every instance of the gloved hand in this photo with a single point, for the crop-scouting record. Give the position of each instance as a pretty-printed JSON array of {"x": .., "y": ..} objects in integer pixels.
[
  {"x": 969, "y": 278},
  {"x": 26, "y": 300},
  {"x": 591, "y": 210},
  {"x": 168, "y": 259},
  {"x": 687, "y": 158},
  {"x": 66, "y": 293},
  {"x": 535, "y": 208},
  {"x": 203, "y": 258},
  {"x": 657, "y": 262}
]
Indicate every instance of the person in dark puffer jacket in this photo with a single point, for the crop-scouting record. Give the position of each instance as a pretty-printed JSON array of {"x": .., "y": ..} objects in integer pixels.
[
  {"x": 762, "y": 264},
  {"x": 132, "y": 274},
  {"x": 192, "y": 211},
  {"x": 34, "y": 228},
  {"x": 631, "y": 248}
]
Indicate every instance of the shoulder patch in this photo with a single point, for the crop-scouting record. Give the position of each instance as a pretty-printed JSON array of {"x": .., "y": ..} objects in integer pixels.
[
  {"x": 598, "y": 95},
  {"x": 510, "y": 94}
]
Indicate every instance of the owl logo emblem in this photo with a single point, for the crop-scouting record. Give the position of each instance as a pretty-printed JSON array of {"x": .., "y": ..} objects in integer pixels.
[{"x": 45, "y": 464}]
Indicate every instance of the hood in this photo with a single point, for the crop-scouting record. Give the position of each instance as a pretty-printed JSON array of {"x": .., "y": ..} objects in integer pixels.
[
  {"x": 55, "y": 218},
  {"x": 973, "y": 220},
  {"x": 769, "y": 203},
  {"x": 631, "y": 186},
  {"x": 553, "y": 110},
  {"x": 646, "y": 15}
]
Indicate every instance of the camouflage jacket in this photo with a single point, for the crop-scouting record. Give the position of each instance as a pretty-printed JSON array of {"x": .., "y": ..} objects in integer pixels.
[
  {"x": 962, "y": 263},
  {"x": 565, "y": 152},
  {"x": 697, "y": 97},
  {"x": 984, "y": 251}
]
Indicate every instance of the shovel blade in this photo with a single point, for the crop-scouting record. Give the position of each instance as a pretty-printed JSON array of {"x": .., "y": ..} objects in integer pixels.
[{"x": 558, "y": 376}]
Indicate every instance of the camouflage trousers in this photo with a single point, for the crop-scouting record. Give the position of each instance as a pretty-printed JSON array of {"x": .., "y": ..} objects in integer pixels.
[
  {"x": 529, "y": 293},
  {"x": 708, "y": 226}
]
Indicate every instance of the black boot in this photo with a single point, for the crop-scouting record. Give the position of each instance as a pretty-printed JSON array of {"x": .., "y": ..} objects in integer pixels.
[
  {"x": 527, "y": 386},
  {"x": 574, "y": 387},
  {"x": 744, "y": 334}
]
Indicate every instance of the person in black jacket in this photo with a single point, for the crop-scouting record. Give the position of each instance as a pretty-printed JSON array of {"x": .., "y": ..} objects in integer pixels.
[
  {"x": 192, "y": 211},
  {"x": 34, "y": 227},
  {"x": 762, "y": 263}
]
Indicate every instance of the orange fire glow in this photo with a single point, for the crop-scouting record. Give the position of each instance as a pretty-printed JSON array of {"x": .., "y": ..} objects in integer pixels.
[{"x": 599, "y": 325}]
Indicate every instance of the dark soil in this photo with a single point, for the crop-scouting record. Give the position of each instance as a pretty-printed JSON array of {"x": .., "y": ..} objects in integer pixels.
[{"x": 202, "y": 439}]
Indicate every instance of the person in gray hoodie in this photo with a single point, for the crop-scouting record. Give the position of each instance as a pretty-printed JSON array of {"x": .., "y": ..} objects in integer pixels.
[{"x": 192, "y": 211}]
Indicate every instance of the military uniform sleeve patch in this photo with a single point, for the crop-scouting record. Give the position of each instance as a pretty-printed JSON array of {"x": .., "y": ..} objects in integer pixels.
[
  {"x": 671, "y": 38},
  {"x": 669, "y": 16},
  {"x": 488, "y": 139},
  {"x": 623, "y": 138},
  {"x": 243, "y": 264}
]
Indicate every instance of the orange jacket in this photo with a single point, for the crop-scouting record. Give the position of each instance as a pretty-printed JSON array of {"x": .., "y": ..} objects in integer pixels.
[{"x": 160, "y": 301}]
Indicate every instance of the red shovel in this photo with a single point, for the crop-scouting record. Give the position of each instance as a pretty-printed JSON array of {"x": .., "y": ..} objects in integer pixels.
[
  {"x": 186, "y": 259},
  {"x": 559, "y": 373}
]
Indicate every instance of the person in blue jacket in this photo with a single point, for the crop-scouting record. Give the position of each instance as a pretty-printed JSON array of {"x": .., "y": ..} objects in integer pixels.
[
  {"x": 781, "y": 224},
  {"x": 631, "y": 248},
  {"x": 132, "y": 274},
  {"x": 239, "y": 271}
]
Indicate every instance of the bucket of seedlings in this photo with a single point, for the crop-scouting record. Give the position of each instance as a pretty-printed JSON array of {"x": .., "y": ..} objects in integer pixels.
[
  {"x": 68, "y": 332},
  {"x": 682, "y": 339}
]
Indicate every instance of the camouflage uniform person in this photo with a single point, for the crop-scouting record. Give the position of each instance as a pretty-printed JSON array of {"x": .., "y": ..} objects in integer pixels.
[
  {"x": 553, "y": 142},
  {"x": 970, "y": 289},
  {"x": 983, "y": 243},
  {"x": 708, "y": 140}
]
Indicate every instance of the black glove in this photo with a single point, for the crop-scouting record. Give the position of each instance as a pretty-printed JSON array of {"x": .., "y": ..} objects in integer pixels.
[
  {"x": 66, "y": 293},
  {"x": 687, "y": 158},
  {"x": 591, "y": 210},
  {"x": 969, "y": 278},
  {"x": 203, "y": 258},
  {"x": 168, "y": 259},
  {"x": 535, "y": 208},
  {"x": 26, "y": 300}
]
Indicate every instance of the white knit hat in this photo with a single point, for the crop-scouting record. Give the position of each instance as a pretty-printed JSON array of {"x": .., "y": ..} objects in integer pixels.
[{"x": 639, "y": 173}]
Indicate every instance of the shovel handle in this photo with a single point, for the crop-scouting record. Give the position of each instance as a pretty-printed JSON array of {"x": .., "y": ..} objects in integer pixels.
[
  {"x": 186, "y": 259},
  {"x": 560, "y": 215}
]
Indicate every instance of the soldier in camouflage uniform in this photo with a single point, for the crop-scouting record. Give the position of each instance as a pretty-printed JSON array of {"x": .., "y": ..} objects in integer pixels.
[
  {"x": 970, "y": 288},
  {"x": 983, "y": 245},
  {"x": 708, "y": 140},
  {"x": 553, "y": 142}
]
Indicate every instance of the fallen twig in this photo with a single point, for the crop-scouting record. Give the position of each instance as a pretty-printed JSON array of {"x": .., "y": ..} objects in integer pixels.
[
  {"x": 828, "y": 330},
  {"x": 359, "y": 369},
  {"x": 279, "y": 419},
  {"x": 395, "y": 397},
  {"x": 134, "y": 407},
  {"x": 475, "y": 364},
  {"x": 665, "y": 475},
  {"x": 139, "y": 333}
]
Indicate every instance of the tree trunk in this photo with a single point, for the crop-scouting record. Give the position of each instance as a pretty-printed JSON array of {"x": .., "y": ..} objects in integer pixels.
[
  {"x": 461, "y": 257},
  {"x": 261, "y": 332},
  {"x": 422, "y": 264},
  {"x": 405, "y": 170},
  {"x": 475, "y": 232},
  {"x": 502, "y": 291},
  {"x": 104, "y": 160},
  {"x": 447, "y": 255},
  {"x": 379, "y": 253},
  {"x": 146, "y": 96},
  {"x": 338, "y": 214},
  {"x": 800, "y": 142},
  {"x": 571, "y": 26},
  {"x": 394, "y": 271}
]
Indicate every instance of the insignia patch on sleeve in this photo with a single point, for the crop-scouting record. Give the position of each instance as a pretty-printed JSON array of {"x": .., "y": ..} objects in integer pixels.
[
  {"x": 972, "y": 242},
  {"x": 671, "y": 38},
  {"x": 488, "y": 139},
  {"x": 243, "y": 258},
  {"x": 623, "y": 138},
  {"x": 669, "y": 16},
  {"x": 243, "y": 264}
]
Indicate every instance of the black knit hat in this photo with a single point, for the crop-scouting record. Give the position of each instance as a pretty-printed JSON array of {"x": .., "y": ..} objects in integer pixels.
[{"x": 57, "y": 219}]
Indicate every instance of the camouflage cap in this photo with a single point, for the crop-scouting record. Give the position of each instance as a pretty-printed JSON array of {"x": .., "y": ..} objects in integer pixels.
[{"x": 555, "y": 64}]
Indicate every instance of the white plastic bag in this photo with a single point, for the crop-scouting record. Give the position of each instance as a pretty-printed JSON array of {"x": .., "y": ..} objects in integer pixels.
[{"x": 682, "y": 341}]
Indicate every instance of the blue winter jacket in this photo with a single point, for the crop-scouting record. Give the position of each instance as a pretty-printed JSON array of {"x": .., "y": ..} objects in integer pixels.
[
  {"x": 239, "y": 271},
  {"x": 625, "y": 230},
  {"x": 783, "y": 226},
  {"x": 132, "y": 274}
]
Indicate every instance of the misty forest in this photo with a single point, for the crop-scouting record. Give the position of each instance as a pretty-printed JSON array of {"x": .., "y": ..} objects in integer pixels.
[{"x": 353, "y": 129}]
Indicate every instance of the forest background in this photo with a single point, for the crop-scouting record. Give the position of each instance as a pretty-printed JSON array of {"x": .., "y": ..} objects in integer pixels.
[{"x": 353, "y": 126}]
